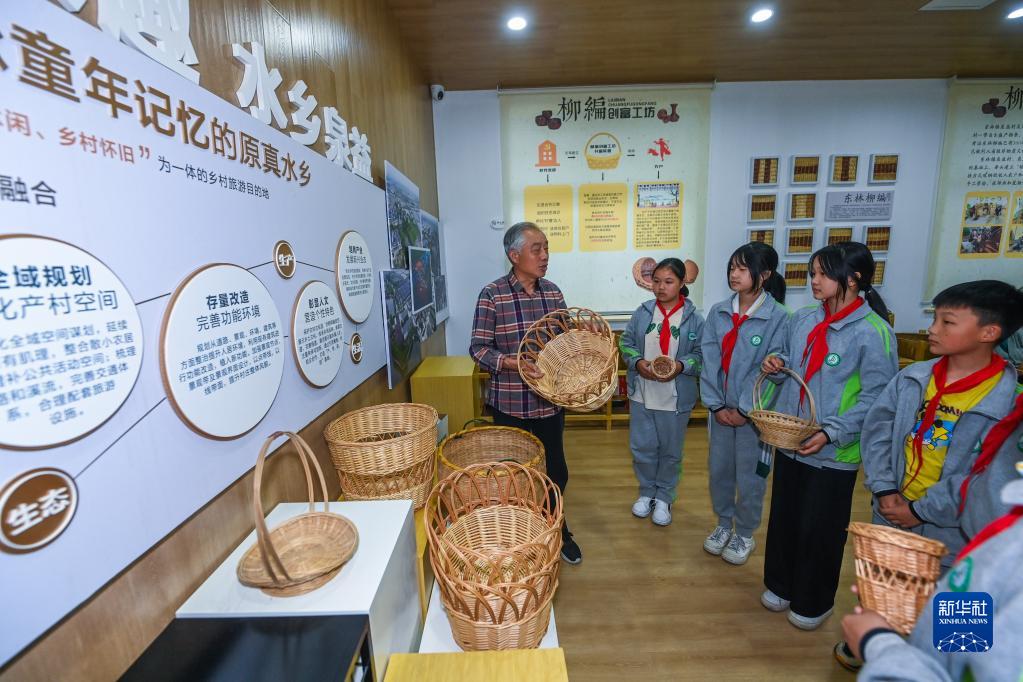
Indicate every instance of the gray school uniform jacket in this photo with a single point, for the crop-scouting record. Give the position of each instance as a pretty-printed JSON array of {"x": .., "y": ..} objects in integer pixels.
[
  {"x": 890, "y": 420},
  {"x": 862, "y": 358},
  {"x": 993, "y": 568},
  {"x": 633, "y": 341},
  {"x": 983, "y": 497},
  {"x": 762, "y": 334}
]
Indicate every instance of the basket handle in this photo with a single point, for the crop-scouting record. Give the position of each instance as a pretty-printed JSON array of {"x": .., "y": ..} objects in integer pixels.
[
  {"x": 558, "y": 322},
  {"x": 758, "y": 403},
  {"x": 271, "y": 560}
]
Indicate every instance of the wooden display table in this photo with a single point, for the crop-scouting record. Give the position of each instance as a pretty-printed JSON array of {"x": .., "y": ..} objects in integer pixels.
[
  {"x": 379, "y": 580},
  {"x": 515, "y": 665},
  {"x": 424, "y": 571},
  {"x": 449, "y": 384}
]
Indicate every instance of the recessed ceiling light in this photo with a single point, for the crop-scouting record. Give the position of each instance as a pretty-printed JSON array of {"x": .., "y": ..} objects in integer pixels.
[
  {"x": 517, "y": 23},
  {"x": 761, "y": 15},
  {"x": 1015, "y": 14}
]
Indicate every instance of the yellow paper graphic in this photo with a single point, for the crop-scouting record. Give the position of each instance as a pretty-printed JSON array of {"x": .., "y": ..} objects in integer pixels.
[
  {"x": 550, "y": 207},
  {"x": 603, "y": 216}
]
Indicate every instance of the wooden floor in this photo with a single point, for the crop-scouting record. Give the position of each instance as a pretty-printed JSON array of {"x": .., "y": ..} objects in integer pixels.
[{"x": 648, "y": 603}]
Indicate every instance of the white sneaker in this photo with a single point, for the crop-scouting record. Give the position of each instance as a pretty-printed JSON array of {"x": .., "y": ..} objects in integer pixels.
[
  {"x": 641, "y": 507},
  {"x": 662, "y": 513},
  {"x": 738, "y": 549},
  {"x": 717, "y": 540},
  {"x": 773, "y": 602},
  {"x": 804, "y": 623}
]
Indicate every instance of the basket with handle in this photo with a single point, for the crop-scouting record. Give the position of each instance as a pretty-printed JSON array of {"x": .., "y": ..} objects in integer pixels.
[
  {"x": 576, "y": 351},
  {"x": 777, "y": 428},
  {"x": 896, "y": 571},
  {"x": 304, "y": 552},
  {"x": 385, "y": 451}
]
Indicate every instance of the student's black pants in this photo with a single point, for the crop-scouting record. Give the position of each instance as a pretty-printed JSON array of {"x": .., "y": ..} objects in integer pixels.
[{"x": 806, "y": 533}]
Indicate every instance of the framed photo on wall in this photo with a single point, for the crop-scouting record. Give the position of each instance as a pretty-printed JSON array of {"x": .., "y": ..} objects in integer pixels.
[
  {"x": 762, "y": 208},
  {"x": 758, "y": 235},
  {"x": 884, "y": 169},
  {"x": 843, "y": 169},
  {"x": 805, "y": 169},
  {"x": 799, "y": 240},
  {"x": 878, "y": 238},
  {"x": 764, "y": 171},
  {"x": 879, "y": 268},
  {"x": 802, "y": 206},
  {"x": 839, "y": 234},
  {"x": 796, "y": 274}
]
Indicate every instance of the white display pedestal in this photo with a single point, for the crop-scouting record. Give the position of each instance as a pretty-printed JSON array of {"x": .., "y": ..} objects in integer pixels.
[
  {"x": 379, "y": 580},
  {"x": 437, "y": 638}
]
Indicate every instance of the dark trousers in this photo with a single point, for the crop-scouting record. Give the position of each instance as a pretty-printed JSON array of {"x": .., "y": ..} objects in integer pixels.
[
  {"x": 806, "y": 534},
  {"x": 550, "y": 432}
]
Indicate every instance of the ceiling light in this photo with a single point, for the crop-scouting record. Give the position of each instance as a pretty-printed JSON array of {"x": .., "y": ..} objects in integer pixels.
[
  {"x": 761, "y": 15},
  {"x": 517, "y": 23},
  {"x": 1015, "y": 14}
]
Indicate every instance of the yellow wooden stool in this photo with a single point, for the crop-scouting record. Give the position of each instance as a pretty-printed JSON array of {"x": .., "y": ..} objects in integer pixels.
[{"x": 513, "y": 665}]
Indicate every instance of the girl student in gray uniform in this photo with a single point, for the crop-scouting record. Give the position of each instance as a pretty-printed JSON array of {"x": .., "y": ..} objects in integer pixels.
[
  {"x": 739, "y": 333},
  {"x": 659, "y": 407},
  {"x": 845, "y": 351}
]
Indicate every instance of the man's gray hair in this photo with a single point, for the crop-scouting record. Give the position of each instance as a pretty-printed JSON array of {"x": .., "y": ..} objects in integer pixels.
[{"x": 515, "y": 236}]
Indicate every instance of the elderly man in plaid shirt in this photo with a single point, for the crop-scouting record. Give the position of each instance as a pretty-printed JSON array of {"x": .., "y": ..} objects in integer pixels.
[{"x": 504, "y": 311}]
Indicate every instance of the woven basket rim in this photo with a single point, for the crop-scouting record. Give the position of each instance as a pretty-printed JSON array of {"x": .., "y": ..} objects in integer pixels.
[
  {"x": 465, "y": 432},
  {"x": 899, "y": 538},
  {"x": 328, "y": 435}
]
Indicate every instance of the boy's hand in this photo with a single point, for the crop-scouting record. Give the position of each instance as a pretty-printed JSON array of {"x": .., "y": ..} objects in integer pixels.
[
  {"x": 888, "y": 502},
  {"x": 772, "y": 364},
  {"x": 721, "y": 417},
  {"x": 737, "y": 419},
  {"x": 813, "y": 444},
  {"x": 858, "y": 623},
  {"x": 899, "y": 514}
]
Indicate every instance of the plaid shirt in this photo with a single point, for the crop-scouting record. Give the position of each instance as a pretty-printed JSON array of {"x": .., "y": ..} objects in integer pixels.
[{"x": 504, "y": 312}]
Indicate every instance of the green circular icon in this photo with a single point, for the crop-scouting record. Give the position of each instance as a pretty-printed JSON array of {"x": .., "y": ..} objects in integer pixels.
[
  {"x": 757, "y": 339},
  {"x": 832, "y": 359},
  {"x": 692, "y": 336}
]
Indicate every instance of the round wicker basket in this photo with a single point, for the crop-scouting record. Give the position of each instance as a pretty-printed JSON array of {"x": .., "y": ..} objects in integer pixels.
[
  {"x": 304, "y": 552},
  {"x": 575, "y": 349},
  {"x": 896, "y": 571},
  {"x": 662, "y": 366},
  {"x": 778, "y": 429},
  {"x": 485, "y": 444},
  {"x": 385, "y": 451}
]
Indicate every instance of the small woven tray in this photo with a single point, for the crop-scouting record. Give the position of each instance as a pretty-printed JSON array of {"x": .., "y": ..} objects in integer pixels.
[{"x": 662, "y": 366}]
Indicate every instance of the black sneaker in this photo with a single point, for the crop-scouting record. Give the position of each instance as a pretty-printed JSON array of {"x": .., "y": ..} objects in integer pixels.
[{"x": 570, "y": 551}]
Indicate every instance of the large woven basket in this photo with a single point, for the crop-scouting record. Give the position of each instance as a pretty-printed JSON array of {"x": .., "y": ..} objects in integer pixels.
[
  {"x": 485, "y": 444},
  {"x": 896, "y": 571},
  {"x": 575, "y": 349},
  {"x": 783, "y": 430},
  {"x": 385, "y": 452},
  {"x": 473, "y": 634},
  {"x": 304, "y": 552}
]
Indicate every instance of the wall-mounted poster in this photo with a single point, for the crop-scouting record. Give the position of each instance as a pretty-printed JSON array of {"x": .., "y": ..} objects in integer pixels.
[
  {"x": 35, "y": 507},
  {"x": 839, "y": 234},
  {"x": 796, "y": 274},
  {"x": 220, "y": 351},
  {"x": 552, "y": 209},
  {"x": 884, "y": 169},
  {"x": 70, "y": 342},
  {"x": 403, "y": 350},
  {"x": 762, "y": 208},
  {"x": 985, "y": 214},
  {"x": 878, "y": 238},
  {"x": 856, "y": 205},
  {"x": 657, "y": 208},
  {"x": 879, "y": 268},
  {"x": 981, "y": 241},
  {"x": 425, "y": 323},
  {"x": 802, "y": 206},
  {"x": 799, "y": 241},
  {"x": 1014, "y": 242},
  {"x": 805, "y": 169},
  {"x": 843, "y": 169},
  {"x": 758, "y": 235},
  {"x": 764, "y": 171},
  {"x": 317, "y": 334},
  {"x": 354, "y": 276},
  {"x": 422, "y": 278},
  {"x": 403, "y": 217},
  {"x": 432, "y": 238}
]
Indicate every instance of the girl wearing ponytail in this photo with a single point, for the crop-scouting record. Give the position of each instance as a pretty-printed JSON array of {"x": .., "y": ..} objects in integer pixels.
[
  {"x": 739, "y": 333},
  {"x": 845, "y": 351}
]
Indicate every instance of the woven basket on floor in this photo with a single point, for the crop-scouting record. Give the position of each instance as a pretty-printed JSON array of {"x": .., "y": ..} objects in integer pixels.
[
  {"x": 385, "y": 451},
  {"x": 305, "y": 551},
  {"x": 783, "y": 430},
  {"x": 485, "y": 444},
  {"x": 895, "y": 571},
  {"x": 575, "y": 349}
]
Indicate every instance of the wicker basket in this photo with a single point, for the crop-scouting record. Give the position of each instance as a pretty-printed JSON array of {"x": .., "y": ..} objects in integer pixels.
[
  {"x": 783, "y": 430},
  {"x": 482, "y": 445},
  {"x": 385, "y": 452},
  {"x": 575, "y": 349},
  {"x": 895, "y": 571},
  {"x": 304, "y": 552},
  {"x": 662, "y": 366},
  {"x": 523, "y": 633}
]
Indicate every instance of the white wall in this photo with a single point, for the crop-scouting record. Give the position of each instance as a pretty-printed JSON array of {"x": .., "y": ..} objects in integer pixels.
[{"x": 747, "y": 119}]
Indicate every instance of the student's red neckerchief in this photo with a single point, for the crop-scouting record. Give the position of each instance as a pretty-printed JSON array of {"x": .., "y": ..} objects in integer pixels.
[
  {"x": 993, "y": 441},
  {"x": 940, "y": 373},
  {"x": 665, "y": 337},
  {"x": 817, "y": 341},
  {"x": 1000, "y": 524}
]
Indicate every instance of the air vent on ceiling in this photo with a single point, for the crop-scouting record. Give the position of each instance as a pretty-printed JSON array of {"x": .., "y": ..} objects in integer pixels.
[{"x": 954, "y": 5}]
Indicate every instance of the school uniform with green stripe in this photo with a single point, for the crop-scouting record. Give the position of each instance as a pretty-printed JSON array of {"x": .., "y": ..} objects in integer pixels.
[{"x": 862, "y": 358}]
